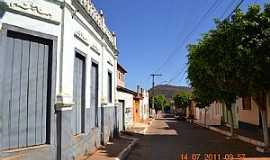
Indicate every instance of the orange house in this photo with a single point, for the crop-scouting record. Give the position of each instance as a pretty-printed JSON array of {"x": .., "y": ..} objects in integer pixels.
[{"x": 137, "y": 101}]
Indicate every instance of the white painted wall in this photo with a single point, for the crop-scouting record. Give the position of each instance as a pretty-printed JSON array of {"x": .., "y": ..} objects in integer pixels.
[
  {"x": 128, "y": 98},
  {"x": 30, "y": 19},
  {"x": 145, "y": 105},
  {"x": 95, "y": 48},
  {"x": 213, "y": 114}
]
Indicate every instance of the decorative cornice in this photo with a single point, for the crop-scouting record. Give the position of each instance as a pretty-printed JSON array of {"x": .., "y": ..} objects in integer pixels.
[
  {"x": 30, "y": 6},
  {"x": 105, "y": 39},
  {"x": 31, "y": 9},
  {"x": 95, "y": 49},
  {"x": 99, "y": 18},
  {"x": 82, "y": 37}
]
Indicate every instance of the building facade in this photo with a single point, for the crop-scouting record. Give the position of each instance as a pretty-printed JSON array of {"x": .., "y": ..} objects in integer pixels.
[
  {"x": 125, "y": 98},
  {"x": 140, "y": 105},
  {"x": 145, "y": 105},
  {"x": 248, "y": 114},
  {"x": 210, "y": 115},
  {"x": 135, "y": 104},
  {"x": 57, "y": 78}
]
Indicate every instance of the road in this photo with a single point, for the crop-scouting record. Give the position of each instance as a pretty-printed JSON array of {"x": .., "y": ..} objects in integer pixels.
[{"x": 169, "y": 139}]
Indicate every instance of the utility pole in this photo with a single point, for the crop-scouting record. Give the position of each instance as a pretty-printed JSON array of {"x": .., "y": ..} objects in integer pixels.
[{"x": 153, "y": 88}]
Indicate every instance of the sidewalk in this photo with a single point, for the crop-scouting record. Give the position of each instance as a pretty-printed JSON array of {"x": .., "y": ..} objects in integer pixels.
[
  {"x": 241, "y": 134},
  {"x": 119, "y": 148},
  {"x": 257, "y": 135},
  {"x": 139, "y": 127},
  {"x": 109, "y": 152}
]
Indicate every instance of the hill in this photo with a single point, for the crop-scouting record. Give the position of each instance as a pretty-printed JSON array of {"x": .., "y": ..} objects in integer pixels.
[{"x": 169, "y": 90}]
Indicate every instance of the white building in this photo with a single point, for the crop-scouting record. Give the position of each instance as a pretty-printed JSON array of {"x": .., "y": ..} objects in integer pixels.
[
  {"x": 57, "y": 77},
  {"x": 145, "y": 104},
  {"x": 125, "y": 98},
  {"x": 135, "y": 104}
]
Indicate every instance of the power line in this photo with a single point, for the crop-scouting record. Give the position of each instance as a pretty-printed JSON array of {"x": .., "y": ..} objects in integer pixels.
[
  {"x": 231, "y": 4},
  {"x": 182, "y": 77},
  {"x": 189, "y": 34},
  {"x": 238, "y": 5},
  {"x": 227, "y": 8},
  {"x": 178, "y": 74},
  {"x": 215, "y": 4}
]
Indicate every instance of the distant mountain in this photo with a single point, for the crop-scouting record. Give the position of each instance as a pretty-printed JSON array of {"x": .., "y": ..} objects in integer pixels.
[{"x": 169, "y": 90}]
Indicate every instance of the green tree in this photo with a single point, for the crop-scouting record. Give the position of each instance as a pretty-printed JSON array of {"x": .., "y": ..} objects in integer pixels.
[
  {"x": 233, "y": 59},
  {"x": 253, "y": 70},
  {"x": 212, "y": 65},
  {"x": 160, "y": 102},
  {"x": 167, "y": 106},
  {"x": 182, "y": 100}
]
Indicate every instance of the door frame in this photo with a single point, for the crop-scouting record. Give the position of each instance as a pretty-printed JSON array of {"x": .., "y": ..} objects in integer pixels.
[
  {"x": 94, "y": 62},
  {"x": 83, "y": 107},
  {"x": 136, "y": 115},
  {"x": 123, "y": 114},
  {"x": 52, "y": 71}
]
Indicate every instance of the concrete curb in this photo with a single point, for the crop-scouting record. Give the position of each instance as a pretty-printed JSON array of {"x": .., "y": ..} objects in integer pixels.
[
  {"x": 220, "y": 131},
  {"x": 123, "y": 155},
  {"x": 241, "y": 138}
]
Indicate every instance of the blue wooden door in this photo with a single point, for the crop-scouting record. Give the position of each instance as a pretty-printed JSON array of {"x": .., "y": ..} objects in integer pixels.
[
  {"x": 25, "y": 91},
  {"x": 94, "y": 91},
  {"x": 78, "y": 95}
]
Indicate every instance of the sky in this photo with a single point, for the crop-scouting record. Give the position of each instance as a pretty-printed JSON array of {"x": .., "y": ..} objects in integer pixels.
[{"x": 152, "y": 35}]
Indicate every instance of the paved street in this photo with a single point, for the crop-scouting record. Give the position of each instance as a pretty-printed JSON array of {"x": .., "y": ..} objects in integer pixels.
[{"x": 167, "y": 139}]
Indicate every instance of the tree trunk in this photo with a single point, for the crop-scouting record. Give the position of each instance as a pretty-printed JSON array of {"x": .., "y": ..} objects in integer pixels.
[
  {"x": 205, "y": 116},
  {"x": 265, "y": 127},
  {"x": 229, "y": 107},
  {"x": 261, "y": 102}
]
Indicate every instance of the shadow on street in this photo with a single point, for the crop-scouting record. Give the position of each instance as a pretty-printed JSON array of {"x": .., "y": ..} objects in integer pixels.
[{"x": 168, "y": 138}]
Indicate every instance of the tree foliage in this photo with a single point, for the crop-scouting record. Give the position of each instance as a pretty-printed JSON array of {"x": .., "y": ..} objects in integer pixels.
[
  {"x": 182, "y": 99},
  {"x": 160, "y": 102},
  {"x": 233, "y": 59}
]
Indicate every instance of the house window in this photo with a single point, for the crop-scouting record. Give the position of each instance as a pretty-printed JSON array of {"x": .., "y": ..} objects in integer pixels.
[
  {"x": 109, "y": 87},
  {"x": 246, "y": 101}
]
